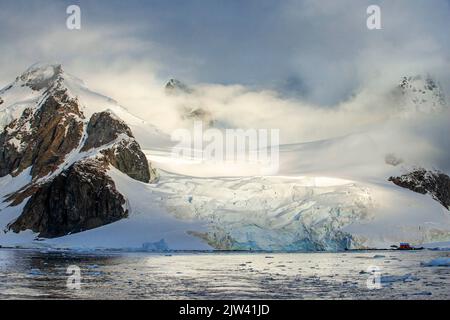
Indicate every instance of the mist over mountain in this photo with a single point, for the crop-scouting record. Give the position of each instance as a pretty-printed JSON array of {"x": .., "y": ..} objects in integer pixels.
[
  {"x": 77, "y": 167},
  {"x": 87, "y": 161}
]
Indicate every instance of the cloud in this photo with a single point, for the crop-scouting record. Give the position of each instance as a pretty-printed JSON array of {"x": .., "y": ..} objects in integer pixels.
[
  {"x": 335, "y": 53},
  {"x": 325, "y": 46},
  {"x": 311, "y": 68}
]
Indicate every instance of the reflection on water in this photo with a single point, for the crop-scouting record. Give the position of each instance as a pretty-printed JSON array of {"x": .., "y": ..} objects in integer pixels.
[{"x": 42, "y": 275}]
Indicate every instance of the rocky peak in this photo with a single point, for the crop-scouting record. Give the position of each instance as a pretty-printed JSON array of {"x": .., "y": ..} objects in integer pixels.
[
  {"x": 126, "y": 155},
  {"x": 104, "y": 128},
  {"x": 40, "y": 76},
  {"x": 175, "y": 87}
]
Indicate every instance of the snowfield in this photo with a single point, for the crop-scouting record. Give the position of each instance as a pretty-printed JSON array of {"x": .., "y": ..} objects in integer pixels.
[{"x": 285, "y": 213}]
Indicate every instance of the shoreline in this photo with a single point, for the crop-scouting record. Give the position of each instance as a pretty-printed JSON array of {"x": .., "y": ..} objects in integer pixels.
[{"x": 169, "y": 252}]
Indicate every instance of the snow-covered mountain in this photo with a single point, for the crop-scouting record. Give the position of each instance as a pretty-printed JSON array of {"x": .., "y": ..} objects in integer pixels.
[
  {"x": 328, "y": 195},
  {"x": 28, "y": 89}
]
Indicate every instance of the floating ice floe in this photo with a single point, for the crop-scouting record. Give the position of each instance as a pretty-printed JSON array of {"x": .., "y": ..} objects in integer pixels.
[
  {"x": 402, "y": 278},
  {"x": 438, "y": 262}
]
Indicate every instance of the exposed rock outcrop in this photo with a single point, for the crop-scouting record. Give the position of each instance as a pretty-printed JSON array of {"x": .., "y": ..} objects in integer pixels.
[
  {"x": 126, "y": 155},
  {"x": 41, "y": 137},
  {"x": 128, "y": 158},
  {"x": 83, "y": 197},
  {"x": 104, "y": 128},
  {"x": 435, "y": 183}
]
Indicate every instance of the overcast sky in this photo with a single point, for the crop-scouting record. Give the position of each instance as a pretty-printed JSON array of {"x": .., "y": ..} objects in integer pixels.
[
  {"x": 310, "y": 68},
  {"x": 320, "y": 50}
]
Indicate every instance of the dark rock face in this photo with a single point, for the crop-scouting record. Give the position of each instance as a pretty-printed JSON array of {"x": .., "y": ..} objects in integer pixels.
[
  {"x": 128, "y": 158},
  {"x": 83, "y": 197},
  {"x": 45, "y": 136},
  {"x": 437, "y": 184},
  {"x": 126, "y": 155},
  {"x": 9, "y": 156},
  {"x": 102, "y": 129}
]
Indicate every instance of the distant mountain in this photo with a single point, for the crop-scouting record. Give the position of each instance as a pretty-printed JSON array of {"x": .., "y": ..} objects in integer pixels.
[
  {"x": 421, "y": 94},
  {"x": 188, "y": 110},
  {"x": 175, "y": 87}
]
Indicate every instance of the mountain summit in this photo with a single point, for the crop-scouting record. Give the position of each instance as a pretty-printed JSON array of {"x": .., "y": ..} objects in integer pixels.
[
  {"x": 189, "y": 109},
  {"x": 421, "y": 94},
  {"x": 176, "y": 87}
]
